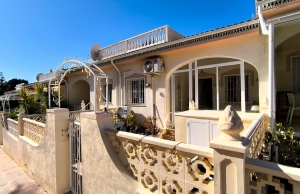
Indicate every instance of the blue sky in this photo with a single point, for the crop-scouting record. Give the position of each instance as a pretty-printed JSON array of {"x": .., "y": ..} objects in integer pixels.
[{"x": 36, "y": 35}]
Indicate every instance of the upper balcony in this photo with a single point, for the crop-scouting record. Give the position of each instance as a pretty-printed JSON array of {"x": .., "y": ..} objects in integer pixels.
[
  {"x": 148, "y": 39},
  {"x": 274, "y": 8}
]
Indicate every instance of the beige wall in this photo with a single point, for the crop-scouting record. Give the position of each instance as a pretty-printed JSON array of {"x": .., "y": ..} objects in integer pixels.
[
  {"x": 47, "y": 163},
  {"x": 102, "y": 172},
  {"x": 251, "y": 48}
]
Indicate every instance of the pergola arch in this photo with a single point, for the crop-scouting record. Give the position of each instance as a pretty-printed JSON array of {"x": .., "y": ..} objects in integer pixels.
[{"x": 68, "y": 66}]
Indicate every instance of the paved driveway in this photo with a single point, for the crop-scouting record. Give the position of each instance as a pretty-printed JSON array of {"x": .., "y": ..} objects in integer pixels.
[{"x": 13, "y": 180}]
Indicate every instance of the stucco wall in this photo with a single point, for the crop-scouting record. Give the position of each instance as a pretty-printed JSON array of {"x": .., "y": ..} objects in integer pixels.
[
  {"x": 102, "y": 171},
  {"x": 251, "y": 48},
  {"x": 181, "y": 120},
  {"x": 47, "y": 163}
]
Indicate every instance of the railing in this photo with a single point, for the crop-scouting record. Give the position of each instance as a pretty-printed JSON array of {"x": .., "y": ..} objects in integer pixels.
[
  {"x": 89, "y": 106},
  {"x": 74, "y": 115},
  {"x": 38, "y": 117},
  {"x": 151, "y": 38},
  {"x": 164, "y": 166},
  {"x": 12, "y": 126},
  {"x": 266, "y": 4},
  {"x": 267, "y": 177},
  {"x": 253, "y": 137},
  {"x": 33, "y": 130}
]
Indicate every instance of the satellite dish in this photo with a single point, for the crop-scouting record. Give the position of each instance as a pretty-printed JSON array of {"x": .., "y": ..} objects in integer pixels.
[
  {"x": 148, "y": 66},
  {"x": 95, "y": 52},
  {"x": 37, "y": 76}
]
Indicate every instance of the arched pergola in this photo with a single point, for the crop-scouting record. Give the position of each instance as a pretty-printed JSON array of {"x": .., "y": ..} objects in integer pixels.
[{"x": 70, "y": 65}]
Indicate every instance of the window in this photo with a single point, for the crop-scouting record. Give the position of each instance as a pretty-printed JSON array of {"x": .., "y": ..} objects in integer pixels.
[
  {"x": 296, "y": 74},
  {"x": 233, "y": 88},
  {"x": 109, "y": 92},
  {"x": 135, "y": 91}
]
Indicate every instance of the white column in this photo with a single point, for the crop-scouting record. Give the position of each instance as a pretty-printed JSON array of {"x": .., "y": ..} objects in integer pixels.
[
  {"x": 196, "y": 87},
  {"x": 173, "y": 96},
  {"x": 217, "y": 84},
  {"x": 242, "y": 74},
  {"x": 271, "y": 76},
  {"x": 190, "y": 81}
]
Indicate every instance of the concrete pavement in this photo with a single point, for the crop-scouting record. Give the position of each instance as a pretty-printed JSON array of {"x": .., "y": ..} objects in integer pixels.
[{"x": 13, "y": 180}]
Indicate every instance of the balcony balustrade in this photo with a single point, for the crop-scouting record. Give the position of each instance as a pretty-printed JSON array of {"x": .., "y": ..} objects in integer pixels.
[{"x": 148, "y": 39}]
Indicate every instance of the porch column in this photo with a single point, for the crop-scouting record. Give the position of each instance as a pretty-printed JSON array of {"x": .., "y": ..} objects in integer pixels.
[
  {"x": 190, "y": 81},
  {"x": 242, "y": 74},
  {"x": 196, "y": 87}
]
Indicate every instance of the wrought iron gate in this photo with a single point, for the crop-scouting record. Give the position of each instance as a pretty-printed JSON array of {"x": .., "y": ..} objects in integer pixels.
[{"x": 75, "y": 157}]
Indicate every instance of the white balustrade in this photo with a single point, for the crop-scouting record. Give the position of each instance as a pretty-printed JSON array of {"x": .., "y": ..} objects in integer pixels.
[
  {"x": 13, "y": 127},
  {"x": 254, "y": 135},
  {"x": 38, "y": 117},
  {"x": 163, "y": 166},
  {"x": 151, "y": 38},
  {"x": 268, "y": 177},
  {"x": 33, "y": 130}
]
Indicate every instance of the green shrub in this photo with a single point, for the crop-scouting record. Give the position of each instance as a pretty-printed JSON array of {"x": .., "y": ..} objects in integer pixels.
[{"x": 288, "y": 146}]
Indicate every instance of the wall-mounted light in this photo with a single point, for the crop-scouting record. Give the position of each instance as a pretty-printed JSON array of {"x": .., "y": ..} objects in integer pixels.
[{"x": 148, "y": 85}]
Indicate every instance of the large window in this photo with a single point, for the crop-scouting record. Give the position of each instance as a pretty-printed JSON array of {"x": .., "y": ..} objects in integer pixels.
[
  {"x": 296, "y": 74},
  {"x": 135, "y": 91},
  {"x": 109, "y": 92},
  {"x": 233, "y": 88}
]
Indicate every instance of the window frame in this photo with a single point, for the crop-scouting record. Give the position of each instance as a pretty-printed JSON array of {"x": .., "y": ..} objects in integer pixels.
[
  {"x": 109, "y": 91},
  {"x": 140, "y": 90},
  {"x": 247, "y": 77}
]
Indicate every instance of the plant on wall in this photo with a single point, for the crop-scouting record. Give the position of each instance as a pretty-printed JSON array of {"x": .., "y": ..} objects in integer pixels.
[
  {"x": 150, "y": 125},
  {"x": 131, "y": 125},
  {"x": 288, "y": 148}
]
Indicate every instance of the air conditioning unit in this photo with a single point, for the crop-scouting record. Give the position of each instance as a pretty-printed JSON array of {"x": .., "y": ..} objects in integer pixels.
[
  {"x": 153, "y": 66},
  {"x": 122, "y": 111}
]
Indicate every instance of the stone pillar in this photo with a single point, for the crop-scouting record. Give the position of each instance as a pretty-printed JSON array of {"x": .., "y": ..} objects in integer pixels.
[
  {"x": 229, "y": 155},
  {"x": 58, "y": 122},
  {"x": 21, "y": 115}
]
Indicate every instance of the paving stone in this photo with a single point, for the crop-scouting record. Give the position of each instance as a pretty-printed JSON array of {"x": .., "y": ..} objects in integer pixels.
[{"x": 14, "y": 180}]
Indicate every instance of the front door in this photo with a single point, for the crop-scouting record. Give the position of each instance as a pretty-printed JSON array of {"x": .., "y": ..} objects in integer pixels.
[{"x": 205, "y": 93}]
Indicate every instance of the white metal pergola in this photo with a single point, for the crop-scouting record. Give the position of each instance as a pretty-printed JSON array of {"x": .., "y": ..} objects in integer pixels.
[
  {"x": 5, "y": 100},
  {"x": 70, "y": 65}
]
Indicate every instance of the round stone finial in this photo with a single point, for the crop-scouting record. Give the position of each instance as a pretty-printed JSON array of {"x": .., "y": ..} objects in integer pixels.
[{"x": 230, "y": 124}]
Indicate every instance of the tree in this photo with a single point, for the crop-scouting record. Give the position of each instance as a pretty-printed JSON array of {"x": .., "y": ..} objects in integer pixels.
[
  {"x": 2, "y": 84},
  {"x": 11, "y": 84}
]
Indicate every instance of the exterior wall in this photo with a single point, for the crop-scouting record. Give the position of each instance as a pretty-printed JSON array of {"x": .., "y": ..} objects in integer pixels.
[
  {"x": 101, "y": 169},
  {"x": 47, "y": 163},
  {"x": 181, "y": 120},
  {"x": 75, "y": 97},
  {"x": 251, "y": 48}
]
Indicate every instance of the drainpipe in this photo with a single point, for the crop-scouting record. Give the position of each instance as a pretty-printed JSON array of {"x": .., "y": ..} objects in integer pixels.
[
  {"x": 120, "y": 79},
  {"x": 270, "y": 33}
]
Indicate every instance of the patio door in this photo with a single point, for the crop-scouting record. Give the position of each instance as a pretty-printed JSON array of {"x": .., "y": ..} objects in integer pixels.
[{"x": 176, "y": 94}]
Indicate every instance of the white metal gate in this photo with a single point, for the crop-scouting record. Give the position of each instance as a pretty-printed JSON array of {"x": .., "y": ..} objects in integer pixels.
[{"x": 75, "y": 157}]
